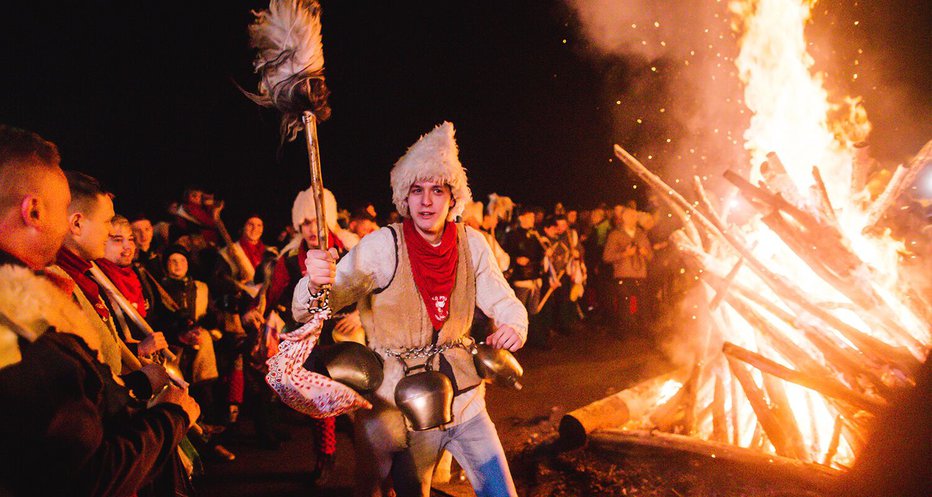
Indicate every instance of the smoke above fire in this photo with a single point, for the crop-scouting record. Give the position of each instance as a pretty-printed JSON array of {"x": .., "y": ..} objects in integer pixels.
[
  {"x": 671, "y": 81},
  {"x": 676, "y": 99}
]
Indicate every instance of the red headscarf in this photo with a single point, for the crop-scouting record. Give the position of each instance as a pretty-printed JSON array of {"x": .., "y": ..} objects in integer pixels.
[
  {"x": 127, "y": 282},
  {"x": 434, "y": 269},
  {"x": 77, "y": 268},
  {"x": 254, "y": 251},
  {"x": 280, "y": 278}
]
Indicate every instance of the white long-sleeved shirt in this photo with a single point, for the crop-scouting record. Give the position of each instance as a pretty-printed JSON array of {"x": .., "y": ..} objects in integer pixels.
[{"x": 371, "y": 266}]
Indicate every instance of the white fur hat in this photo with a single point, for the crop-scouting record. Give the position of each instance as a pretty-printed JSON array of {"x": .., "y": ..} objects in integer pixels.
[
  {"x": 434, "y": 157},
  {"x": 473, "y": 211},
  {"x": 303, "y": 208}
]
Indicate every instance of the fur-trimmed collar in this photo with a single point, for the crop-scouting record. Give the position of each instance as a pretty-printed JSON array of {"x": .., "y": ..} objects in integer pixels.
[{"x": 35, "y": 304}]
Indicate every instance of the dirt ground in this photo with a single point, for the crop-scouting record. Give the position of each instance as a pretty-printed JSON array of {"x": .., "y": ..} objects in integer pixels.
[
  {"x": 585, "y": 367},
  {"x": 650, "y": 472},
  {"x": 580, "y": 368}
]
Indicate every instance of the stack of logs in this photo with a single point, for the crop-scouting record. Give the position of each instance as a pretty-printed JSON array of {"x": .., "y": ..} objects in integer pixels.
[{"x": 857, "y": 373}]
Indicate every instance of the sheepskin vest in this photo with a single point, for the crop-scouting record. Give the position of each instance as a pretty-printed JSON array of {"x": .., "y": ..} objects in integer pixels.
[
  {"x": 108, "y": 337},
  {"x": 37, "y": 305},
  {"x": 396, "y": 318}
]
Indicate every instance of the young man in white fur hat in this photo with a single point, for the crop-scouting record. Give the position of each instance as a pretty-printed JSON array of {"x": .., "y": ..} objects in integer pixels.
[
  {"x": 417, "y": 284},
  {"x": 289, "y": 268}
]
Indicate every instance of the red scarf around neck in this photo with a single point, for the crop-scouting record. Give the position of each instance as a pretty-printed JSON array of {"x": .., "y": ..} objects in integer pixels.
[
  {"x": 434, "y": 269},
  {"x": 254, "y": 251},
  {"x": 127, "y": 282},
  {"x": 77, "y": 268}
]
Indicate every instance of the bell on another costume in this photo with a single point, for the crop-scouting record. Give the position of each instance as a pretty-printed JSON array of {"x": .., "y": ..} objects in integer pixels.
[
  {"x": 425, "y": 398},
  {"x": 349, "y": 363}
]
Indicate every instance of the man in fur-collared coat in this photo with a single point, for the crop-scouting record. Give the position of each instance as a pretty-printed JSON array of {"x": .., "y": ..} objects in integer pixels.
[
  {"x": 417, "y": 284},
  {"x": 66, "y": 421}
]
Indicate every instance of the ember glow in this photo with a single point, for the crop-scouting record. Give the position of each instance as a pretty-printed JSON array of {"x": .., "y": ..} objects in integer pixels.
[{"x": 812, "y": 327}]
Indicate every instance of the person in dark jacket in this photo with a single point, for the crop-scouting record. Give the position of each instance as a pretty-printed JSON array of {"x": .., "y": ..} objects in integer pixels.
[{"x": 525, "y": 247}]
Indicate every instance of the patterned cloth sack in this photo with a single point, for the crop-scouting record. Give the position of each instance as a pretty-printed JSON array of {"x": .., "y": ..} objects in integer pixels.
[{"x": 304, "y": 391}]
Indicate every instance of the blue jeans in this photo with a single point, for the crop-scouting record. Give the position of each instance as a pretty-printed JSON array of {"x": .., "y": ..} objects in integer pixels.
[{"x": 475, "y": 446}]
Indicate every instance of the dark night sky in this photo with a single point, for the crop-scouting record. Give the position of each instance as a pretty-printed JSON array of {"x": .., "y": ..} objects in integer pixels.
[{"x": 141, "y": 95}]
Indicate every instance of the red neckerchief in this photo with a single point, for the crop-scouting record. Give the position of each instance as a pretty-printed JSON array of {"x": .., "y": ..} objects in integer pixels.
[
  {"x": 434, "y": 269},
  {"x": 280, "y": 277},
  {"x": 77, "y": 268},
  {"x": 127, "y": 282},
  {"x": 254, "y": 251}
]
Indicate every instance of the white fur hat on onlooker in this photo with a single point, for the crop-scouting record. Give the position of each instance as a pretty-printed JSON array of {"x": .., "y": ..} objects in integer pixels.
[
  {"x": 473, "y": 212},
  {"x": 305, "y": 210},
  {"x": 434, "y": 157}
]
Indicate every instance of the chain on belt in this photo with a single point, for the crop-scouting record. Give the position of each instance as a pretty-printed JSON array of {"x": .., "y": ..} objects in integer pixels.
[{"x": 427, "y": 350}]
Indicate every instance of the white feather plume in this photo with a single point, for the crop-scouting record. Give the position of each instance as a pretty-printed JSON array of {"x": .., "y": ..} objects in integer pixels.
[{"x": 290, "y": 61}]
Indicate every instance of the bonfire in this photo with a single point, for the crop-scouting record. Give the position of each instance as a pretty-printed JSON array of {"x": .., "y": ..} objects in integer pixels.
[{"x": 812, "y": 328}]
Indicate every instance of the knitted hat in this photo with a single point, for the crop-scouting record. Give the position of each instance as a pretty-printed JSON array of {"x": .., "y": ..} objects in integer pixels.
[
  {"x": 177, "y": 249},
  {"x": 434, "y": 157},
  {"x": 304, "y": 209}
]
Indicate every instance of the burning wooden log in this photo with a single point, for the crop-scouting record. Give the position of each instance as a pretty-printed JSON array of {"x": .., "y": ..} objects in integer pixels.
[
  {"x": 902, "y": 179},
  {"x": 861, "y": 166},
  {"x": 768, "y": 421},
  {"x": 735, "y": 427},
  {"x": 789, "y": 292},
  {"x": 810, "y": 240},
  {"x": 676, "y": 414},
  {"x": 781, "y": 409},
  {"x": 721, "y": 290},
  {"x": 793, "y": 295},
  {"x": 834, "y": 442},
  {"x": 791, "y": 351},
  {"x": 614, "y": 410},
  {"x": 625, "y": 442},
  {"x": 779, "y": 285},
  {"x": 825, "y": 203},
  {"x": 825, "y": 386},
  {"x": 758, "y": 438},
  {"x": 860, "y": 292},
  {"x": 851, "y": 362},
  {"x": 719, "y": 421},
  {"x": 669, "y": 195},
  {"x": 848, "y": 361},
  {"x": 775, "y": 175}
]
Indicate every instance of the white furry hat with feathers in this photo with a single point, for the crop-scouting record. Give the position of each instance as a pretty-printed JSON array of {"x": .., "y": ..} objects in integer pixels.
[
  {"x": 304, "y": 209},
  {"x": 434, "y": 157}
]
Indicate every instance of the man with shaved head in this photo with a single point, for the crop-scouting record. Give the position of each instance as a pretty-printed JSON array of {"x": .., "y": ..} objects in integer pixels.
[
  {"x": 64, "y": 415},
  {"x": 34, "y": 198}
]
